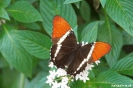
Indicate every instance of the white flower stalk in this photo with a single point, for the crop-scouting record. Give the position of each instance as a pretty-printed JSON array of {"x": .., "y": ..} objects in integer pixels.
[
  {"x": 84, "y": 74},
  {"x": 51, "y": 64},
  {"x": 61, "y": 72},
  {"x": 97, "y": 62},
  {"x": 60, "y": 79}
]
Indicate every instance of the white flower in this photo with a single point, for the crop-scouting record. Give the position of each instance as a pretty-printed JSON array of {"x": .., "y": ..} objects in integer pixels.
[
  {"x": 89, "y": 67},
  {"x": 97, "y": 62},
  {"x": 64, "y": 80},
  {"x": 82, "y": 43},
  {"x": 61, "y": 72},
  {"x": 50, "y": 80},
  {"x": 64, "y": 86},
  {"x": 52, "y": 74},
  {"x": 78, "y": 76},
  {"x": 86, "y": 43},
  {"x": 85, "y": 76},
  {"x": 56, "y": 84},
  {"x": 51, "y": 77},
  {"x": 82, "y": 76},
  {"x": 60, "y": 79},
  {"x": 51, "y": 64}
]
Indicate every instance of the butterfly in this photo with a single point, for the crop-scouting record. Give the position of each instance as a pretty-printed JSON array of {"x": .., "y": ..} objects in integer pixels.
[{"x": 68, "y": 54}]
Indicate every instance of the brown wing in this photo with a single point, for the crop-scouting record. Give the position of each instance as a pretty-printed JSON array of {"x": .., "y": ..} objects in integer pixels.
[
  {"x": 82, "y": 53},
  {"x": 64, "y": 42},
  {"x": 88, "y": 53}
]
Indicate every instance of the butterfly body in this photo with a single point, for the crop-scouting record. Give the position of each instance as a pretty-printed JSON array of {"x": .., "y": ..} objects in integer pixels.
[{"x": 68, "y": 54}]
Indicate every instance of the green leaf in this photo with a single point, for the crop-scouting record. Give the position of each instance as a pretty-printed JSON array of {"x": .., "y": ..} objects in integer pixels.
[
  {"x": 71, "y": 1},
  {"x": 42, "y": 83},
  {"x": 91, "y": 75},
  {"x": 3, "y": 62},
  {"x": 113, "y": 36},
  {"x": 1, "y": 81},
  {"x": 103, "y": 66},
  {"x": 124, "y": 66},
  {"x": 32, "y": 1},
  {"x": 110, "y": 79},
  {"x": 121, "y": 12},
  {"x": 127, "y": 38},
  {"x": 4, "y": 3},
  {"x": 35, "y": 43},
  {"x": 122, "y": 54},
  {"x": 15, "y": 79},
  {"x": 79, "y": 84},
  {"x": 40, "y": 80},
  {"x": 75, "y": 31},
  {"x": 103, "y": 2},
  {"x": 50, "y": 8},
  {"x": 89, "y": 33},
  {"x": 85, "y": 11},
  {"x": 13, "y": 51},
  {"x": 3, "y": 14},
  {"x": 129, "y": 55},
  {"x": 23, "y": 11},
  {"x": 44, "y": 65},
  {"x": 20, "y": 81},
  {"x": 32, "y": 26},
  {"x": 35, "y": 82},
  {"x": 77, "y": 4},
  {"x": 80, "y": 29},
  {"x": 11, "y": 75}
]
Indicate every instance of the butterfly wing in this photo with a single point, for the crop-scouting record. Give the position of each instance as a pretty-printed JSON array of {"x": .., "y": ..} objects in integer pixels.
[
  {"x": 80, "y": 57},
  {"x": 66, "y": 52},
  {"x": 64, "y": 42},
  {"x": 100, "y": 49},
  {"x": 88, "y": 54}
]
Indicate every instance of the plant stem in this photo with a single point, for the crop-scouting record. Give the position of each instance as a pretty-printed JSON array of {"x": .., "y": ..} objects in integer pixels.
[{"x": 22, "y": 80}]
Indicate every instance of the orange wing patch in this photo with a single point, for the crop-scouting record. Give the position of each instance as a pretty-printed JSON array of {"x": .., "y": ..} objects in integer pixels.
[
  {"x": 60, "y": 27},
  {"x": 100, "y": 49}
]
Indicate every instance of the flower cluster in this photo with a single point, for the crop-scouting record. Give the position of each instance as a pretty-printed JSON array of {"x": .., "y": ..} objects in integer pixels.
[
  {"x": 60, "y": 79},
  {"x": 84, "y": 74}
]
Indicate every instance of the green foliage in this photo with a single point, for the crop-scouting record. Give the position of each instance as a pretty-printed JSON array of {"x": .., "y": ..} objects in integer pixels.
[
  {"x": 24, "y": 12},
  {"x": 3, "y": 14},
  {"x": 50, "y": 8},
  {"x": 120, "y": 11},
  {"x": 13, "y": 51},
  {"x": 125, "y": 65},
  {"x": 85, "y": 11},
  {"x": 109, "y": 33},
  {"x": 89, "y": 33},
  {"x": 109, "y": 78},
  {"x": 26, "y": 27},
  {"x": 35, "y": 43},
  {"x": 103, "y": 2},
  {"x": 71, "y": 1},
  {"x": 4, "y": 3}
]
